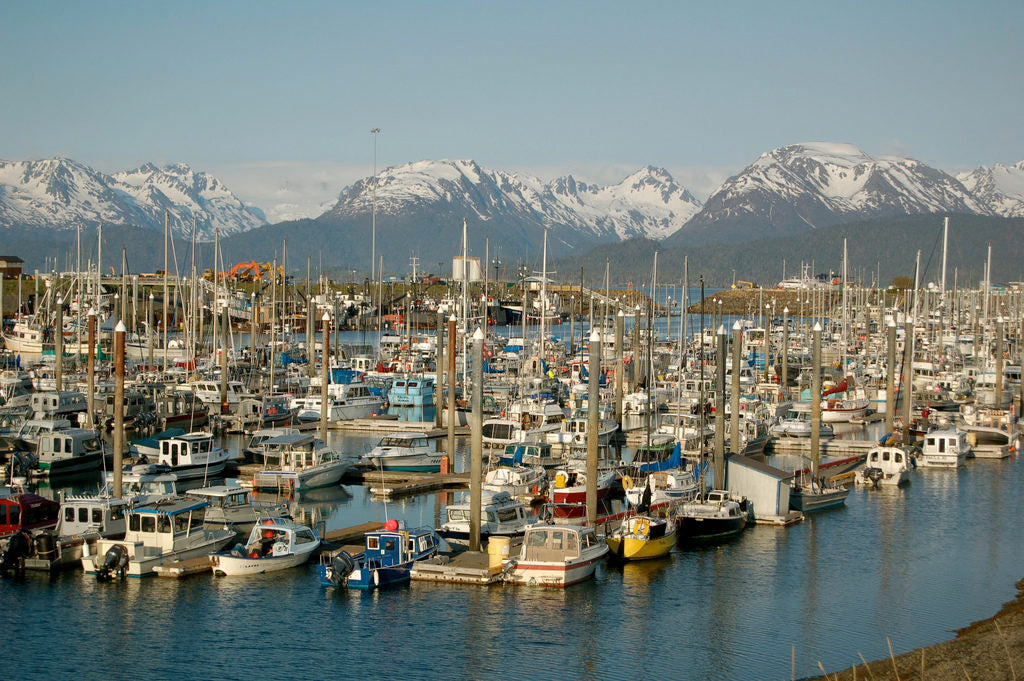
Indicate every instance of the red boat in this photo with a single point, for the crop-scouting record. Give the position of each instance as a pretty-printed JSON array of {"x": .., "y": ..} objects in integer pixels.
[{"x": 27, "y": 512}]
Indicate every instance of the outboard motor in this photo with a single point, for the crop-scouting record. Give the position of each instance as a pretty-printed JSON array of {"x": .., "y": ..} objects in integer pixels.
[
  {"x": 342, "y": 565},
  {"x": 114, "y": 562},
  {"x": 18, "y": 547}
]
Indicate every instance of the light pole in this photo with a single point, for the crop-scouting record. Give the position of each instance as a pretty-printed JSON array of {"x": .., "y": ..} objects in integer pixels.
[{"x": 373, "y": 224}]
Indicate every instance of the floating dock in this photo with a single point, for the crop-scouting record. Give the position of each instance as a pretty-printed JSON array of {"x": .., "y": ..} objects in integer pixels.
[
  {"x": 184, "y": 568},
  {"x": 469, "y": 567},
  {"x": 802, "y": 445},
  {"x": 351, "y": 535},
  {"x": 391, "y": 484}
]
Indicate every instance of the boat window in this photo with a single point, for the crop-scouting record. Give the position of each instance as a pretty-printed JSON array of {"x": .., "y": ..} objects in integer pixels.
[
  {"x": 133, "y": 522},
  {"x": 148, "y": 523},
  {"x": 942, "y": 444},
  {"x": 67, "y": 445},
  {"x": 198, "y": 516},
  {"x": 557, "y": 540},
  {"x": 506, "y": 514},
  {"x": 455, "y": 514},
  {"x": 372, "y": 543},
  {"x": 304, "y": 537},
  {"x": 83, "y": 515},
  {"x": 69, "y": 514},
  {"x": 163, "y": 523},
  {"x": 885, "y": 456},
  {"x": 97, "y": 515},
  {"x": 389, "y": 544},
  {"x": 180, "y": 523},
  {"x": 931, "y": 442},
  {"x": 898, "y": 457}
]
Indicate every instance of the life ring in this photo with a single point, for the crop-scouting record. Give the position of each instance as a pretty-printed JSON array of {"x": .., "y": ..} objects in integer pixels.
[{"x": 627, "y": 483}]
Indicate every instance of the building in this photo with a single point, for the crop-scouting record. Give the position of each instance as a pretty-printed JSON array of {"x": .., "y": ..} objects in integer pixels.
[
  {"x": 764, "y": 486},
  {"x": 10, "y": 266}
]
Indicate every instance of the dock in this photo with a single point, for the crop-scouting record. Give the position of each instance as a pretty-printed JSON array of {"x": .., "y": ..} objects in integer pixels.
[
  {"x": 469, "y": 567},
  {"x": 390, "y": 484},
  {"x": 351, "y": 535},
  {"x": 184, "y": 568},
  {"x": 802, "y": 445}
]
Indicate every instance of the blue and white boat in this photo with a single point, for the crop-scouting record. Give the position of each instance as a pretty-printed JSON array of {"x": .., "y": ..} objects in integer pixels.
[
  {"x": 386, "y": 559},
  {"x": 405, "y": 452},
  {"x": 412, "y": 391}
]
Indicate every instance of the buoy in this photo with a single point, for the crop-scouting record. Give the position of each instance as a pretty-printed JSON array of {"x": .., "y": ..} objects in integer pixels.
[{"x": 391, "y": 525}]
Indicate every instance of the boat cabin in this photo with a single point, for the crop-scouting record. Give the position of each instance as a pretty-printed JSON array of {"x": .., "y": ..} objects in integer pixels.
[
  {"x": 80, "y": 514},
  {"x": 59, "y": 448},
  {"x": 33, "y": 428},
  {"x": 556, "y": 544},
  {"x": 27, "y": 512},
  {"x": 58, "y": 404},
  {"x": 187, "y": 450},
  {"x": 158, "y": 524}
]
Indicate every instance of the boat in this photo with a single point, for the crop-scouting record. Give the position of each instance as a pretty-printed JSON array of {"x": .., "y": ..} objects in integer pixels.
[
  {"x": 405, "y": 452},
  {"x": 31, "y": 429},
  {"x": 944, "y": 449},
  {"x": 143, "y": 484},
  {"x": 73, "y": 450},
  {"x": 574, "y": 430},
  {"x": 516, "y": 480},
  {"x": 349, "y": 397},
  {"x": 571, "y": 485},
  {"x": 500, "y": 515},
  {"x": 715, "y": 515},
  {"x": 299, "y": 461},
  {"x": 254, "y": 449},
  {"x": 27, "y": 512},
  {"x": 233, "y": 507},
  {"x": 556, "y": 556},
  {"x": 885, "y": 466},
  {"x": 273, "y": 544},
  {"x": 641, "y": 537},
  {"x": 387, "y": 557},
  {"x": 797, "y": 423},
  {"x": 176, "y": 409},
  {"x": 412, "y": 391},
  {"x": 192, "y": 456},
  {"x": 159, "y": 533},
  {"x": 812, "y": 495},
  {"x": 149, "y": 447},
  {"x": 66, "y": 404},
  {"x": 84, "y": 520}
]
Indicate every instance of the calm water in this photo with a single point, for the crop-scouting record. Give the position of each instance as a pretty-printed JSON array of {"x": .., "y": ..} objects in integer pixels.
[{"x": 912, "y": 564}]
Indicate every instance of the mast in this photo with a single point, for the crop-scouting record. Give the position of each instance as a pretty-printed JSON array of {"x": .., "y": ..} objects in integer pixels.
[
  {"x": 166, "y": 294},
  {"x": 543, "y": 297}
]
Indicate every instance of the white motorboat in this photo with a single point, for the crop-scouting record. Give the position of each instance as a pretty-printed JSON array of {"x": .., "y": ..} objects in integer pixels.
[
  {"x": 944, "y": 449},
  {"x": 233, "y": 507},
  {"x": 885, "y": 466},
  {"x": 405, "y": 452},
  {"x": 192, "y": 456},
  {"x": 556, "y": 556},
  {"x": 797, "y": 423},
  {"x": 159, "y": 533},
  {"x": 500, "y": 515},
  {"x": 299, "y": 461},
  {"x": 272, "y": 545}
]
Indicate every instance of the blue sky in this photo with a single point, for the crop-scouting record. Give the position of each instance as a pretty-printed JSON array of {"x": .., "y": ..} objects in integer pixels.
[{"x": 267, "y": 94}]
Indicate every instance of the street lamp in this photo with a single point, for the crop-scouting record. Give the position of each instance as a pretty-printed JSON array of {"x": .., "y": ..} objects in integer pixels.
[{"x": 373, "y": 234}]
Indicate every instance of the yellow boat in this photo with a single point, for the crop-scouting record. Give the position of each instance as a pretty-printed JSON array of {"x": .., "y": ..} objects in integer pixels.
[{"x": 641, "y": 537}]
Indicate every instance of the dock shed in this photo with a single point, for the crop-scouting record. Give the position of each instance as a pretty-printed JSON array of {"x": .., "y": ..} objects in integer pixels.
[
  {"x": 10, "y": 266},
  {"x": 764, "y": 486}
]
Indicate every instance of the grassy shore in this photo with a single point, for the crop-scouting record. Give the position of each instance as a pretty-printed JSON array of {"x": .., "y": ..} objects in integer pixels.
[{"x": 989, "y": 650}]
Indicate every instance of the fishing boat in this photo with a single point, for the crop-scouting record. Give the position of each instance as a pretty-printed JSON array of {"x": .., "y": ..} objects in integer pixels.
[
  {"x": 641, "y": 537},
  {"x": 27, "y": 512},
  {"x": 885, "y": 466},
  {"x": 158, "y": 533},
  {"x": 412, "y": 391},
  {"x": 299, "y": 461},
  {"x": 273, "y": 545},
  {"x": 73, "y": 450},
  {"x": 405, "y": 452},
  {"x": 556, "y": 556},
  {"x": 387, "y": 557},
  {"x": 233, "y": 507},
  {"x": 944, "y": 449},
  {"x": 176, "y": 409},
  {"x": 500, "y": 515},
  {"x": 192, "y": 455}
]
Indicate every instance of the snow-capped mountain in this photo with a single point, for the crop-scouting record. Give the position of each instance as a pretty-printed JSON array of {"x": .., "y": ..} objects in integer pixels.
[
  {"x": 1000, "y": 187},
  {"x": 61, "y": 193},
  {"x": 648, "y": 203},
  {"x": 806, "y": 186}
]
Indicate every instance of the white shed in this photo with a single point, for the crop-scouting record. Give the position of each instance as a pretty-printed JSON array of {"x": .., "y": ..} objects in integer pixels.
[{"x": 765, "y": 487}]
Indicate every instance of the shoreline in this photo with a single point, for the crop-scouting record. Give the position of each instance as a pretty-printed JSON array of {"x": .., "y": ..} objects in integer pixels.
[{"x": 991, "y": 649}]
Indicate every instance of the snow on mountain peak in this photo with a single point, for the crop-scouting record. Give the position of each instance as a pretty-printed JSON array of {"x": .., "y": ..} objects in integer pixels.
[
  {"x": 60, "y": 193},
  {"x": 648, "y": 203}
]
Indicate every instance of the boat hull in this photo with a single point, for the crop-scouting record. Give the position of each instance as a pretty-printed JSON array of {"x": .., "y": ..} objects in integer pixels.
[
  {"x": 557, "y": 575},
  {"x": 231, "y": 566},
  {"x": 631, "y": 548}
]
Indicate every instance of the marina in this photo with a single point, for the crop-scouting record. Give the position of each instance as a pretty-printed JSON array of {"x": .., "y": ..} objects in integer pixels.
[{"x": 725, "y": 550}]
